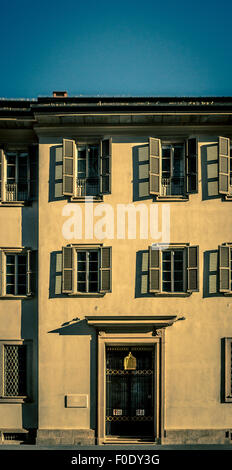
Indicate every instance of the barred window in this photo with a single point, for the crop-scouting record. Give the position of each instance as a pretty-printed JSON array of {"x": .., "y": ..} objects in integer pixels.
[{"x": 15, "y": 370}]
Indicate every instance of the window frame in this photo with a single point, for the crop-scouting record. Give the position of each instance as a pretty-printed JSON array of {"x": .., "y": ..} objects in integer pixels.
[
  {"x": 173, "y": 292},
  {"x": 28, "y": 344},
  {"x": 86, "y": 251},
  {"x": 171, "y": 144},
  {"x": 227, "y": 369},
  {"x": 87, "y": 145},
  {"x": 3, "y": 284}
]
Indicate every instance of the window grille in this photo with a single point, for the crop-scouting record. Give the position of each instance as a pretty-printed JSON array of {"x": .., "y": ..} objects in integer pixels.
[{"x": 14, "y": 370}]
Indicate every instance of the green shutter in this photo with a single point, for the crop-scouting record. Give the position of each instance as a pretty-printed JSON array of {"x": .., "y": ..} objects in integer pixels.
[
  {"x": 192, "y": 268},
  {"x": 68, "y": 167},
  {"x": 224, "y": 268},
  {"x": 106, "y": 269},
  {"x": 155, "y": 165},
  {"x": 191, "y": 161},
  {"x": 67, "y": 270},
  {"x": 154, "y": 269},
  {"x": 31, "y": 271},
  {"x": 224, "y": 165},
  {"x": 1, "y": 173},
  {"x": 105, "y": 166}
]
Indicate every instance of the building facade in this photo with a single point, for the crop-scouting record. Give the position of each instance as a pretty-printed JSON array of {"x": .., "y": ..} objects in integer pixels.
[{"x": 115, "y": 270}]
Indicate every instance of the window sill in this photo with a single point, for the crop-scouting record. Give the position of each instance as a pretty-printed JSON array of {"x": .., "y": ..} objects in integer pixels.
[
  {"x": 86, "y": 294},
  {"x": 172, "y": 198},
  {"x": 15, "y": 203},
  {"x": 86, "y": 198},
  {"x": 14, "y": 399},
  {"x": 172, "y": 294},
  {"x": 228, "y": 198},
  {"x": 8, "y": 297}
]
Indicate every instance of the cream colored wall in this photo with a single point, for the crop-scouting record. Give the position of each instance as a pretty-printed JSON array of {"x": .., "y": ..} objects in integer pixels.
[{"x": 193, "y": 356}]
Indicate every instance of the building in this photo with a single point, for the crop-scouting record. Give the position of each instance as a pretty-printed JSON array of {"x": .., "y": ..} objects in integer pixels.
[{"x": 115, "y": 279}]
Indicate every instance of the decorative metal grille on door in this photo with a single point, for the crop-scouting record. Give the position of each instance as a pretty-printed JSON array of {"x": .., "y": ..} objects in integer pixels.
[{"x": 129, "y": 391}]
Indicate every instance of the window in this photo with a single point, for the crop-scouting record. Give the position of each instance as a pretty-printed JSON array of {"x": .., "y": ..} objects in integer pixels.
[
  {"x": 173, "y": 167},
  {"x": 17, "y": 273},
  {"x": 86, "y": 168},
  {"x": 174, "y": 270},
  {"x": 18, "y": 175},
  {"x": 86, "y": 269},
  {"x": 225, "y": 268},
  {"x": 228, "y": 369},
  {"x": 15, "y": 370}
]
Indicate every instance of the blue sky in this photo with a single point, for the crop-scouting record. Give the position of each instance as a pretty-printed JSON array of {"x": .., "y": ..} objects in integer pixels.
[{"x": 136, "y": 48}]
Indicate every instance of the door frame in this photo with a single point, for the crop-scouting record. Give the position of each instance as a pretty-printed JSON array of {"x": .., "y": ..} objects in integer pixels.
[{"x": 131, "y": 339}]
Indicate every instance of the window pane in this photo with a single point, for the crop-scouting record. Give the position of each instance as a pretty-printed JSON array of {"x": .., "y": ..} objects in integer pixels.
[
  {"x": 81, "y": 276},
  {"x": 22, "y": 289},
  {"x": 93, "y": 276},
  {"x": 81, "y": 287},
  {"x": 93, "y": 287},
  {"x": 10, "y": 289},
  {"x": 93, "y": 255},
  {"x": 166, "y": 286}
]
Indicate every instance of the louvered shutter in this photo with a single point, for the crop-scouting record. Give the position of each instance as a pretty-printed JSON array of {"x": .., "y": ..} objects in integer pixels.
[
  {"x": 106, "y": 269},
  {"x": 224, "y": 268},
  {"x": 1, "y": 173},
  {"x": 68, "y": 167},
  {"x": 155, "y": 165},
  {"x": 31, "y": 271},
  {"x": 105, "y": 166},
  {"x": 67, "y": 270},
  {"x": 193, "y": 268},
  {"x": 224, "y": 165},
  {"x": 1, "y": 272},
  {"x": 154, "y": 270},
  {"x": 34, "y": 178},
  {"x": 191, "y": 162}
]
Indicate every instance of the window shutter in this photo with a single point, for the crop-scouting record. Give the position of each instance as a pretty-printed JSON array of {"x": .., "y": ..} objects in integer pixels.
[
  {"x": 191, "y": 162},
  {"x": 1, "y": 272},
  {"x": 155, "y": 165},
  {"x": 1, "y": 173},
  {"x": 68, "y": 167},
  {"x": 34, "y": 178},
  {"x": 224, "y": 165},
  {"x": 106, "y": 269},
  {"x": 154, "y": 270},
  {"x": 31, "y": 271},
  {"x": 67, "y": 271},
  {"x": 105, "y": 166},
  {"x": 192, "y": 268},
  {"x": 224, "y": 269}
]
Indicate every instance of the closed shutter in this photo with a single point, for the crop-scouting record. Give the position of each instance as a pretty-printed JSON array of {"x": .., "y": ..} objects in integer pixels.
[
  {"x": 68, "y": 167},
  {"x": 224, "y": 165},
  {"x": 192, "y": 268},
  {"x": 1, "y": 173},
  {"x": 106, "y": 269},
  {"x": 191, "y": 162},
  {"x": 154, "y": 270},
  {"x": 67, "y": 270},
  {"x": 224, "y": 268},
  {"x": 105, "y": 166},
  {"x": 31, "y": 271},
  {"x": 155, "y": 165},
  {"x": 34, "y": 178}
]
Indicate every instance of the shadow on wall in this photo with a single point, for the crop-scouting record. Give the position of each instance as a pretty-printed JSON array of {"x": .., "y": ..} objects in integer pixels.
[
  {"x": 142, "y": 275},
  {"x": 140, "y": 157},
  {"x": 55, "y": 174},
  {"x": 209, "y": 171},
  {"x": 80, "y": 328}
]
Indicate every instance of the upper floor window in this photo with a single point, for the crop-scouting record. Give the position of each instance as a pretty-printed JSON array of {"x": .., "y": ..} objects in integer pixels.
[
  {"x": 17, "y": 272},
  {"x": 86, "y": 168},
  {"x": 173, "y": 167},
  {"x": 174, "y": 270},
  {"x": 225, "y": 268},
  {"x": 86, "y": 269},
  {"x": 18, "y": 175}
]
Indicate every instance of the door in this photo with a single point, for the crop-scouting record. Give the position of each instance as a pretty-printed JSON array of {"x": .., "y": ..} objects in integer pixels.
[{"x": 129, "y": 391}]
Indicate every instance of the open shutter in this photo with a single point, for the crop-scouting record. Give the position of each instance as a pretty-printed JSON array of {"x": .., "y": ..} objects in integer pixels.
[
  {"x": 224, "y": 269},
  {"x": 68, "y": 167},
  {"x": 1, "y": 272},
  {"x": 31, "y": 271},
  {"x": 191, "y": 162},
  {"x": 67, "y": 270},
  {"x": 154, "y": 270},
  {"x": 34, "y": 179},
  {"x": 192, "y": 268},
  {"x": 106, "y": 269},
  {"x": 155, "y": 165},
  {"x": 224, "y": 165},
  {"x": 105, "y": 166}
]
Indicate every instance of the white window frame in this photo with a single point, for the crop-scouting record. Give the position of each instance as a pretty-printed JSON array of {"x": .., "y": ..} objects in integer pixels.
[
  {"x": 13, "y": 251},
  {"x": 86, "y": 251},
  {"x": 171, "y": 144},
  {"x": 172, "y": 249},
  {"x": 82, "y": 186},
  {"x": 4, "y": 175}
]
